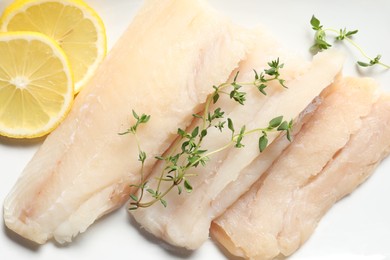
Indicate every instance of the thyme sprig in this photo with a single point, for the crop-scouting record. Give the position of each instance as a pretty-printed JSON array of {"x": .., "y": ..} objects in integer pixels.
[
  {"x": 321, "y": 42},
  {"x": 143, "y": 119},
  {"x": 188, "y": 152}
]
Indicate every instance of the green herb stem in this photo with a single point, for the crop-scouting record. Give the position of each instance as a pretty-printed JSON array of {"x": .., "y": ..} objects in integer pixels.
[
  {"x": 357, "y": 46},
  {"x": 140, "y": 204}
]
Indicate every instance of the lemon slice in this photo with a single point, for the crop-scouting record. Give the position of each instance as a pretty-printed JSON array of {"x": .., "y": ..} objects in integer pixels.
[
  {"x": 36, "y": 86},
  {"x": 71, "y": 23}
]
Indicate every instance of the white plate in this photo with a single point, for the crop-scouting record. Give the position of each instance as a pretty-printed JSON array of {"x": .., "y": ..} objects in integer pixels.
[{"x": 358, "y": 227}]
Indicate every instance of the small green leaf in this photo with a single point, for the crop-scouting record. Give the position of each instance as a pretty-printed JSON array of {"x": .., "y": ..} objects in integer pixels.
[
  {"x": 215, "y": 97},
  {"x": 196, "y": 116},
  {"x": 135, "y": 115},
  {"x": 181, "y": 132},
  {"x": 179, "y": 189},
  {"x": 195, "y": 132},
  {"x": 275, "y": 122},
  {"x": 203, "y": 133},
  {"x": 164, "y": 203},
  {"x": 364, "y": 64},
  {"x": 263, "y": 142},
  {"x": 350, "y": 33},
  {"x": 289, "y": 135},
  {"x": 261, "y": 88},
  {"x": 184, "y": 146},
  {"x": 151, "y": 191},
  {"x": 315, "y": 23},
  {"x": 201, "y": 151},
  {"x": 230, "y": 125},
  {"x": 134, "y": 197},
  {"x": 283, "y": 126},
  {"x": 270, "y": 71},
  {"x": 283, "y": 83},
  {"x": 144, "y": 119},
  {"x": 187, "y": 186}
]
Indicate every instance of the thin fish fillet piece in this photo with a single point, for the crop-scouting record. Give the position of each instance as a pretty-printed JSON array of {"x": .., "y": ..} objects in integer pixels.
[
  {"x": 164, "y": 65},
  {"x": 185, "y": 222},
  {"x": 282, "y": 208},
  {"x": 350, "y": 168}
]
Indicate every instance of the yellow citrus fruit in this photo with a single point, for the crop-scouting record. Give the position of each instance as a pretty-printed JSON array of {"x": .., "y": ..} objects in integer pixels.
[
  {"x": 36, "y": 84},
  {"x": 71, "y": 23}
]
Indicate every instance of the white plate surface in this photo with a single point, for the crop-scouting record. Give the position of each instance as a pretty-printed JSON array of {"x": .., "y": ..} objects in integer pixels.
[{"x": 357, "y": 228}]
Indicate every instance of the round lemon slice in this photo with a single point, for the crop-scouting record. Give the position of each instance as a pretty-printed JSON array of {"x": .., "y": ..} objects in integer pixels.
[
  {"x": 71, "y": 23},
  {"x": 36, "y": 86}
]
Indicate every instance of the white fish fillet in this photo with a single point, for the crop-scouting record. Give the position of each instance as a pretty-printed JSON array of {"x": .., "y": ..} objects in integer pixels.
[
  {"x": 192, "y": 213},
  {"x": 164, "y": 65},
  {"x": 323, "y": 163}
]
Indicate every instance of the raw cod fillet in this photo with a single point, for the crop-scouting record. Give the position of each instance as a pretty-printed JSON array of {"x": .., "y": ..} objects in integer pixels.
[
  {"x": 164, "y": 65},
  {"x": 211, "y": 196},
  {"x": 335, "y": 151}
]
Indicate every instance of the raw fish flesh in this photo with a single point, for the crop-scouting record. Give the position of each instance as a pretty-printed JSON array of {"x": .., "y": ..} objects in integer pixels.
[
  {"x": 185, "y": 222},
  {"x": 324, "y": 162},
  {"x": 164, "y": 65}
]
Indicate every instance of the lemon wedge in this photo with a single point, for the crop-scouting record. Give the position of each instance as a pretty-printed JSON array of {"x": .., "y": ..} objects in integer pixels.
[
  {"x": 75, "y": 26},
  {"x": 36, "y": 85}
]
